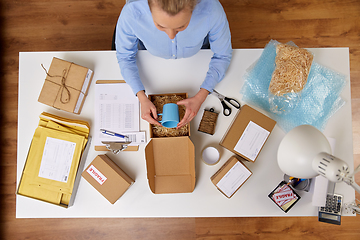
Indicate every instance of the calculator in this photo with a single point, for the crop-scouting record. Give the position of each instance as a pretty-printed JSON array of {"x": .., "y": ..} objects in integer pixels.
[{"x": 331, "y": 212}]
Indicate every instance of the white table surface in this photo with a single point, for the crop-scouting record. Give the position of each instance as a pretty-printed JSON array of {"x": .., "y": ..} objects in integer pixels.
[{"x": 166, "y": 76}]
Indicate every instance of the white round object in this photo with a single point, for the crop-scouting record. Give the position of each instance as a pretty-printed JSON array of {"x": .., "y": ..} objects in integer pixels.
[
  {"x": 298, "y": 149},
  {"x": 210, "y": 155}
]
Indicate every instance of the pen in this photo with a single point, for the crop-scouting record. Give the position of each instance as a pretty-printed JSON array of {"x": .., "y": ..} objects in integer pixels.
[{"x": 113, "y": 134}]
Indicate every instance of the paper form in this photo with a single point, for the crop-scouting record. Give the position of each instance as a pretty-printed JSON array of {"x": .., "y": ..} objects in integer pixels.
[
  {"x": 117, "y": 109},
  {"x": 56, "y": 160},
  {"x": 252, "y": 140},
  {"x": 233, "y": 179}
]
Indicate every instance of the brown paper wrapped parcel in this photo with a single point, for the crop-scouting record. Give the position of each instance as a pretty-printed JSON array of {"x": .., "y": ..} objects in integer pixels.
[{"x": 66, "y": 86}]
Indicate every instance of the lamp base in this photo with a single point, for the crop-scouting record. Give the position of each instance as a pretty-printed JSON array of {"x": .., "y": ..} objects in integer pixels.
[{"x": 298, "y": 184}]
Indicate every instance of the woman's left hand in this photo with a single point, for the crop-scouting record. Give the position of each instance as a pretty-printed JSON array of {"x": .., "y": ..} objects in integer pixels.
[{"x": 192, "y": 106}]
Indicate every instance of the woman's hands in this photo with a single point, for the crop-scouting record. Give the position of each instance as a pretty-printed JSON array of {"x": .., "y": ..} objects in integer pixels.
[
  {"x": 192, "y": 106},
  {"x": 148, "y": 109}
]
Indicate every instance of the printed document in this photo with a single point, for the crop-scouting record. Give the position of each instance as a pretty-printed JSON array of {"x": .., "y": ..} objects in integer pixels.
[
  {"x": 117, "y": 109},
  {"x": 56, "y": 160}
]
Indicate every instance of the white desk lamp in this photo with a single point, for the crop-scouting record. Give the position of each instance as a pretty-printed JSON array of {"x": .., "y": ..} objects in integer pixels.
[{"x": 304, "y": 153}]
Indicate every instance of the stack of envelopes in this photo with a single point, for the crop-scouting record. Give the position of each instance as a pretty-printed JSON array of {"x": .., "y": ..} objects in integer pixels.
[{"x": 53, "y": 159}]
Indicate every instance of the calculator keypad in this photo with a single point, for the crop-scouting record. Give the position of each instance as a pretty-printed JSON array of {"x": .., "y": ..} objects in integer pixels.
[{"x": 333, "y": 204}]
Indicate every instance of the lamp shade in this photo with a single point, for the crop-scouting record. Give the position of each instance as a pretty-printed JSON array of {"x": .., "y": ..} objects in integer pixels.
[{"x": 298, "y": 149}]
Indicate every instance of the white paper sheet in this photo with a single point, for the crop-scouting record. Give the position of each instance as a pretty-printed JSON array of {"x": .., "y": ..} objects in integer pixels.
[
  {"x": 56, "y": 160},
  {"x": 252, "y": 140},
  {"x": 117, "y": 109}
]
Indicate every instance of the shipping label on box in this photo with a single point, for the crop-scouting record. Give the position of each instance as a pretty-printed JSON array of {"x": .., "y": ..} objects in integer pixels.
[
  {"x": 108, "y": 178},
  {"x": 66, "y": 86},
  {"x": 248, "y": 133},
  {"x": 231, "y": 176},
  {"x": 251, "y": 140}
]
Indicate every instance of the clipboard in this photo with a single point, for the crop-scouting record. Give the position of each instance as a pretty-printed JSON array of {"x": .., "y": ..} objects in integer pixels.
[{"x": 98, "y": 147}]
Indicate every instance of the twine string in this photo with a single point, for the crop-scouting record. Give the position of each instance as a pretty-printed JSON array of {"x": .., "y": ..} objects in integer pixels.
[{"x": 63, "y": 86}]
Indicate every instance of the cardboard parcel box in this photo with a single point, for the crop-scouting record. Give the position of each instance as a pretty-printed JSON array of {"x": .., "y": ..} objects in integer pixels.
[
  {"x": 66, "y": 86},
  {"x": 108, "y": 178},
  {"x": 170, "y": 157},
  {"x": 231, "y": 176},
  {"x": 170, "y": 165},
  {"x": 248, "y": 133}
]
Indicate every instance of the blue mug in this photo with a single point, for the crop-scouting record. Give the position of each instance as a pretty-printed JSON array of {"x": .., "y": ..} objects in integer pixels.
[{"x": 170, "y": 115}]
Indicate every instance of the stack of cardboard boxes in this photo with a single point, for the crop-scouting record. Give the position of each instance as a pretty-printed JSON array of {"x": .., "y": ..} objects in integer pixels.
[{"x": 245, "y": 137}]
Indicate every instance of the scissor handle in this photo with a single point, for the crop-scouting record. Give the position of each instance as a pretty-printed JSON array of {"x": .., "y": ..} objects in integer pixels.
[
  {"x": 227, "y": 109},
  {"x": 233, "y": 102}
]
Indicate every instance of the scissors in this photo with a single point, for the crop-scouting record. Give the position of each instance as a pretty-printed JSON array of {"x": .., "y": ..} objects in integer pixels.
[{"x": 227, "y": 109}]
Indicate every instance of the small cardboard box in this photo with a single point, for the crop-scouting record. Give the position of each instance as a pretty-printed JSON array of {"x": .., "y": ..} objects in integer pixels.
[
  {"x": 231, "y": 176},
  {"x": 108, "y": 178},
  {"x": 170, "y": 163},
  {"x": 248, "y": 133},
  {"x": 66, "y": 86}
]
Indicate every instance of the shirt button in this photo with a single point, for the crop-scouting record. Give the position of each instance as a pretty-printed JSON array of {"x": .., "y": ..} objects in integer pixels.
[
  {"x": 172, "y": 41},
  {"x": 173, "y": 55}
]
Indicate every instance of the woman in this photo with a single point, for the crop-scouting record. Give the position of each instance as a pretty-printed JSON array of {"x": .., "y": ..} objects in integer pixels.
[{"x": 172, "y": 29}]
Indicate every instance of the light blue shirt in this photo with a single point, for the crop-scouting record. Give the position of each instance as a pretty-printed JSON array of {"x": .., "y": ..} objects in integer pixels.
[{"x": 208, "y": 18}]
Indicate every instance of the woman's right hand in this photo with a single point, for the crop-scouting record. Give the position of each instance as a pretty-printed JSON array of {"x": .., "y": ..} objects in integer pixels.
[{"x": 148, "y": 109}]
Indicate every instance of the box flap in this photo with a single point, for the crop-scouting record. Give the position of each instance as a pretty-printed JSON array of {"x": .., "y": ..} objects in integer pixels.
[
  {"x": 170, "y": 165},
  {"x": 150, "y": 164},
  {"x": 174, "y": 184}
]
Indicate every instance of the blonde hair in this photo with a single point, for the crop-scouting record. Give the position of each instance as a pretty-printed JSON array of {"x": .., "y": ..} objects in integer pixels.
[{"x": 173, "y": 7}]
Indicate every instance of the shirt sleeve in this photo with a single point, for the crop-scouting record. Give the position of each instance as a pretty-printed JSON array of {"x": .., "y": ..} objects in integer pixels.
[
  {"x": 126, "y": 44},
  {"x": 220, "y": 44}
]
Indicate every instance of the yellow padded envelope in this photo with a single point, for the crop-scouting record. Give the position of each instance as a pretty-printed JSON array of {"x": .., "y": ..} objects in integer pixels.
[{"x": 53, "y": 159}]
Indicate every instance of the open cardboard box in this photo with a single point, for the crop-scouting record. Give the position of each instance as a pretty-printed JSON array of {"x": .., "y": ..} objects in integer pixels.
[
  {"x": 248, "y": 133},
  {"x": 170, "y": 162}
]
